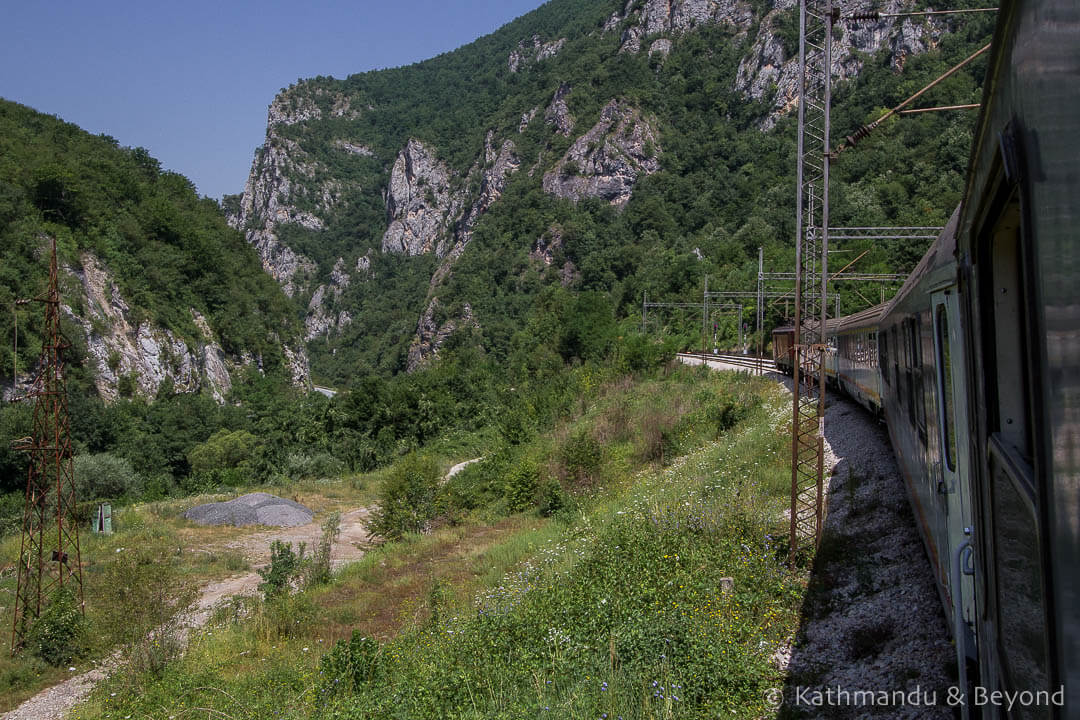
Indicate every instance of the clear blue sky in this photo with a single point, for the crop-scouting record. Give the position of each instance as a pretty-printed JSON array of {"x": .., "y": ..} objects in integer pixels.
[{"x": 190, "y": 80}]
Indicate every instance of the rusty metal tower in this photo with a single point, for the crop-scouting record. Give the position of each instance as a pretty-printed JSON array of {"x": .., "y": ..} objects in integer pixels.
[
  {"x": 49, "y": 556},
  {"x": 816, "y": 18}
]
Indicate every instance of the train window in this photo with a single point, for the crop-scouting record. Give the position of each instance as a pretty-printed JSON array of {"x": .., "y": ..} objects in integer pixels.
[
  {"x": 917, "y": 370},
  {"x": 883, "y": 357},
  {"x": 1021, "y": 605},
  {"x": 896, "y": 350},
  {"x": 945, "y": 387},
  {"x": 1008, "y": 332}
]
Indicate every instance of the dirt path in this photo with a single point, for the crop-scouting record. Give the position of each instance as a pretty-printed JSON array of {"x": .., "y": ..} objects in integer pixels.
[
  {"x": 54, "y": 703},
  {"x": 459, "y": 467}
]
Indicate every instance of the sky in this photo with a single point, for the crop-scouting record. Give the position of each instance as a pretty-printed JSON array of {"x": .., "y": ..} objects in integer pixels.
[{"x": 191, "y": 80}]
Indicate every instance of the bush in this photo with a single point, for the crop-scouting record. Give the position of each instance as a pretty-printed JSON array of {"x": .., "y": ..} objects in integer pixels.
[
  {"x": 724, "y": 414},
  {"x": 317, "y": 570},
  {"x": 552, "y": 498},
  {"x": 582, "y": 456},
  {"x": 407, "y": 498},
  {"x": 351, "y": 664},
  {"x": 284, "y": 566},
  {"x": 105, "y": 476},
  {"x": 319, "y": 465},
  {"x": 521, "y": 485},
  {"x": 145, "y": 605},
  {"x": 59, "y": 636}
]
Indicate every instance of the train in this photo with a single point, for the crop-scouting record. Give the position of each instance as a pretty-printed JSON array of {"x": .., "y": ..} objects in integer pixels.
[{"x": 974, "y": 366}]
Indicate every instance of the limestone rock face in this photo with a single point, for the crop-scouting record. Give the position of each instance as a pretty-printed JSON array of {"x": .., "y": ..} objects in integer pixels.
[
  {"x": 661, "y": 47},
  {"x": 266, "y": 204},
  {"x": 535, "y": 51},
  {"x": 430, "y": 336},
  {"x": 418, "y": 202},
  {"x": 354, "y": 148},
  {"x": 676, "y": 17},
  {"x": 321, "y": 319},
  {"x": 767, "y": 68},
  {"x": 495, "y": 172},
  {"x": 119, "y": 347},
  {"x": 527, "y": 118},
  {"x": 558, "y": 114},
  {"x": 607, "y": 161}
]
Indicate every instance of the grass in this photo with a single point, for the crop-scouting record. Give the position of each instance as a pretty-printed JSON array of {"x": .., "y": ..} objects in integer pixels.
[
  {"x": 615, "y": 605},
  {"x": 195, "y": 553}
]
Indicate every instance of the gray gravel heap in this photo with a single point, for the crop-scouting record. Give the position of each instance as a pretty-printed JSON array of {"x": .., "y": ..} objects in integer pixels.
[{"x": 252, "y": 509}]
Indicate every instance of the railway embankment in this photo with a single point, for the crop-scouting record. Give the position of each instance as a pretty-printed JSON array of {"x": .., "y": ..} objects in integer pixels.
[{"x": 872, "y": 638}]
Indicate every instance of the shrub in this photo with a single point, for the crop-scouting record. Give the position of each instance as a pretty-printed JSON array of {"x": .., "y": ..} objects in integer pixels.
[
  {"x": 521, "y": 484},
  {"x": 724, "y": 414},
  {"x": 658, "y": 435},
  {"x": 317, "y": 570},
  {"x": 58, "y": 636},
  {"x": 284, "y": 566},
  {"x": 319, "y": 465},
  {"x": 351, "y": 664},
  {"x": 407, "y": 498},
  {"x": 551, "y": 498},
  {"x": 105, "y": 476},
  {"x": 145, "y": 605},
  {"x": 582, "y": 456}
]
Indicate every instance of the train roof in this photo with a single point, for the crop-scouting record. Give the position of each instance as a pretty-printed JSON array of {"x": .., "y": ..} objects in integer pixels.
[
  {"x": 941, "y": 254},
  {"x": 869, "y": 317}
]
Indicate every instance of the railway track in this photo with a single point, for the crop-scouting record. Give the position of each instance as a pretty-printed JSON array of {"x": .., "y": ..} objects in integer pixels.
[{"x": 750, "y": 362}]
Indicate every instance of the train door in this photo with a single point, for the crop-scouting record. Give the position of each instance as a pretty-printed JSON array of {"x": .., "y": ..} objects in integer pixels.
[
  {"x": 1021, "y": 642},
  {"x": 953, "y": 471}
]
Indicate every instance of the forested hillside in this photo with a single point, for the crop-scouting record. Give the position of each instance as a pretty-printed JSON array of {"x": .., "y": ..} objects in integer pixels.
[
  {"x": 602, "y": 147},
  {"x": 140, "y": 238}
]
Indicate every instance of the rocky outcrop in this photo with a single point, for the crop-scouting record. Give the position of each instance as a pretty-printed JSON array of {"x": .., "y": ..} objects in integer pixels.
[
  {"x": 526, "y": 54},
  {"x": 558, "y": 114},
  {"x": 355, "y": 149},
  {"x": 771, "y": 74},
  {"x": 677, "y": 16},
  {"x": 145, "y": 356},
  {"x": 266, "y": 204},
  {"x": 544, "y": 251},
  {"x": 495, "y": 170},
  {"x": 321, "y": 318},
  {"x": 430, "y": 336},
  {"x": 418, "y": 202},
  {"x": 284, "y": 179},
  {"x": 607, "y": 161},
  {"x": 527, "y": 118},
  {"x": 661, "y": 47}
]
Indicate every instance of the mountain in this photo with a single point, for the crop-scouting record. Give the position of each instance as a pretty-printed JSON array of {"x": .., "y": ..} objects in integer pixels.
[
  {"x": 159, "y": 293},
  {"x": 608, "y": 146}
]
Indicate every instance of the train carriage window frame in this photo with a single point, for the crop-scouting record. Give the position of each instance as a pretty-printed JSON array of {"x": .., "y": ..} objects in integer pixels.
[
  {"x": 883, "y": 355},
  {"x": 945, "y": 386},
  {"x": 1019, "y": 563}
]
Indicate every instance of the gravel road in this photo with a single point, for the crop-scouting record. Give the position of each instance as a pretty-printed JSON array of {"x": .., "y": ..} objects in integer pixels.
[{"x": 54, "y": 703}]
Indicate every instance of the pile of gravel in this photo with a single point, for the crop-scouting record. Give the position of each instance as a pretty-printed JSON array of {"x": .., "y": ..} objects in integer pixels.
[{"x": 252, "y": 509}]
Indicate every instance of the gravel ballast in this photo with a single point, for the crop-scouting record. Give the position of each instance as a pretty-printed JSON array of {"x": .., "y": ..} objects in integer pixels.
[{"x": 252, "y": 509}]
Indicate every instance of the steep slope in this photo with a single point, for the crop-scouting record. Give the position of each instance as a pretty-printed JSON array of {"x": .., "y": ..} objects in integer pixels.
[
  {"x": 160, "y": 293},
  {"x": 592, "y": 145}
]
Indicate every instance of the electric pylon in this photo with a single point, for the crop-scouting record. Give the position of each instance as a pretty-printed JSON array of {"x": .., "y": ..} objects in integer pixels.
[
  {"x": 816, "y": 19},
  {"x": 49, "y": 557}
]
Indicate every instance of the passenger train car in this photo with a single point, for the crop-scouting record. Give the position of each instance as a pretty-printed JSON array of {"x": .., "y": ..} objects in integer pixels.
[{"x": 975, "y": 366}]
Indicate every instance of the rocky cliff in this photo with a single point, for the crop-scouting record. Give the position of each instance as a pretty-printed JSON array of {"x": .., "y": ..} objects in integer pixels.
[
  {"x": 435, "y": 156},
  {"x": 606, "y": 161},
  {"x": 770, "y": 70},
  {"x": 132, "y": 356}
]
